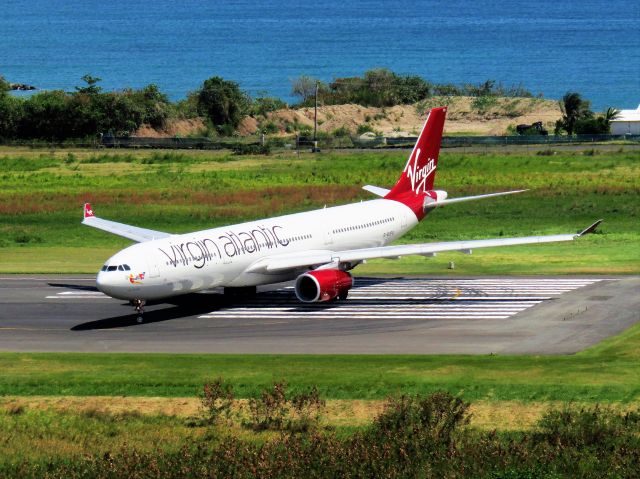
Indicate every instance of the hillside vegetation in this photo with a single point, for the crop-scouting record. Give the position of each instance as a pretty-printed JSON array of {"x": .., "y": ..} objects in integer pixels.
[{"x": 378, "y": 102}]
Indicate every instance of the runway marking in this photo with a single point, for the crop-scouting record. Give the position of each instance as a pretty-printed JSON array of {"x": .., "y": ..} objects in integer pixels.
[{"x": 406, "y": 299}]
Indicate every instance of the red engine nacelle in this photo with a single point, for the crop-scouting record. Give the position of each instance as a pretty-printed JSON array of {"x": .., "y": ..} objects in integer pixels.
[{"x": 323, "y": 285}]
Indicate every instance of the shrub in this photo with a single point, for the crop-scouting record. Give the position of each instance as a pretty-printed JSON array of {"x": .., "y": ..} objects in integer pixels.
[
  {"x": 307, "y": 409},
  {"x": 251, "y": 149},
  {"x": 217, "y": 400},
  {"x": 264, "y": 104},
  {"x": 269, "y": 127},
  {"x": 341, "y": 132},
  {"x": 587, "y": 427},
  {"x": 484, "y": 103},
  {"x": 223, "y": 103},
  {"x": 271, "y": 409},
  {"x": 364, "y": 128}
]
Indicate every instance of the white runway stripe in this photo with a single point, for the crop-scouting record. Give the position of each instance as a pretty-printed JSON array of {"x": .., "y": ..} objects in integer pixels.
[{"x": 407, "y": 299}]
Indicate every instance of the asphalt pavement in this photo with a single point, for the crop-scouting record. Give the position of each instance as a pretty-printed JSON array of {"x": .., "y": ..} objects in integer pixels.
[{"x": 414, "y": 315}]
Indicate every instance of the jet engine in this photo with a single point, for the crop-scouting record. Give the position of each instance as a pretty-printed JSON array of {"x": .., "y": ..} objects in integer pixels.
[{"x": 323, "y": 285}]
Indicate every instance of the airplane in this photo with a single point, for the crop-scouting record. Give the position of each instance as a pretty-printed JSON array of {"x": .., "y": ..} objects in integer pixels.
[{"x": 317, "y": 248}]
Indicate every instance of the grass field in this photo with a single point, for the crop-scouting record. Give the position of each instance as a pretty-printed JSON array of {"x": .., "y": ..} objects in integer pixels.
[
  {"x": 57, "y": 407},
  {"x": 607, "y": 372},
  {"x": 69, "y": 406},
  {"x": 42, "y": 195}
]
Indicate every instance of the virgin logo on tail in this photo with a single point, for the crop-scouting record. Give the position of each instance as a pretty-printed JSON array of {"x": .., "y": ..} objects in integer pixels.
[{"x": 418, "y": 175}]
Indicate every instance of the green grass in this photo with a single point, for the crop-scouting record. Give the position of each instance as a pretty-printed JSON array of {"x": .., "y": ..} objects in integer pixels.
[
  {"x": 607, "y": 372},
  {"x": 42, "y": 195}
]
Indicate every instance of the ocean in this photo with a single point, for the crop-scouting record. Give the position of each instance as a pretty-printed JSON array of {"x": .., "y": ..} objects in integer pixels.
[{"x": 548, "y": 46}]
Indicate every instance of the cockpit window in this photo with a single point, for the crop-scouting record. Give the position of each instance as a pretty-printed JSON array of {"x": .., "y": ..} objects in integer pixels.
[
  {"x": 126, "y": 267},
  {"x": 112, "y": 268},
  {"x": 104, "y": 268},
  {"x": 120, "y": 268}
]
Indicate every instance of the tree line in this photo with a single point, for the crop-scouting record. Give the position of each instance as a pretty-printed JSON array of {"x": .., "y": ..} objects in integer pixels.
[{"x": 88, "y": 111}]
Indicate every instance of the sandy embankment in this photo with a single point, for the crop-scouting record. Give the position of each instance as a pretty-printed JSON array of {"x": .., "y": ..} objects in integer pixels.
[{"x": 465, "y": 116}]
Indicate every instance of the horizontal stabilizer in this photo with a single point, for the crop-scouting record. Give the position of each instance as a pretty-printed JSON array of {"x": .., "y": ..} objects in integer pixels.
[
  {"x": 376, "y": 190},
  {"x": 470, "y": 198}
]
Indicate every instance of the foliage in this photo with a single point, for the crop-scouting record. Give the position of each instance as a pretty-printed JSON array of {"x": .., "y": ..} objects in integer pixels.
[
  {"x": 263, "y": 105},
  {"x": 426, "y": 436},
  {"x": 592, "y": 126},
  {"x": 89, "y": 111},
  {"x": 574, "y": 108},
  {"x": 305, "y": 88},
  {"x": 57, "y": 115},
  {"x": 92, "y": 87},
  {"x": 10, "y": 113},
  {"x": 587, "y": 427},
  {"x": 364, "y": 128},
  {"x": 4, "y": 85},
  {"x": 223, "y": 103},
  {"x": 217, "y": 400},
  {"x": 269, "y": 127},
  {"x": 483, "y": 103},
  {"x": 251, "y": 149},
  {"x": 381, "y": 87},
  {"x": 273, "y": 410}
]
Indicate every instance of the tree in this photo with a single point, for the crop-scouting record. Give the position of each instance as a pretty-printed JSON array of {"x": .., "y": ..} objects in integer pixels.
[
  {"x": 4, "y": 85},
  {"x": 573, "y": 108},
  {"x": 304, "y": 87},
  {"x": 46, "y": 115},
  {"x": 154, "y": 103},
  {"x": 9, "y": 111},
  {"x": 223, "y": 103},
  {"x": 92, "y": 87}
]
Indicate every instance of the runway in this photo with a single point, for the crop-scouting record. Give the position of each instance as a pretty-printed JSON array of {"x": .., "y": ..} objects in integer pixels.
[{"x": 480, "y": 315}]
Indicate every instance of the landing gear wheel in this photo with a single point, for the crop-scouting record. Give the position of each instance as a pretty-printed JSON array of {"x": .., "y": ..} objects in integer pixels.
[
  {"x": 138, "y": 305},
  {"x": 343, "y": 295}
]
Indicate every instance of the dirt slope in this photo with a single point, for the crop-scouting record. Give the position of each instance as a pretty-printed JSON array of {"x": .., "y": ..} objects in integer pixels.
[{"x": 466, "y": 115}]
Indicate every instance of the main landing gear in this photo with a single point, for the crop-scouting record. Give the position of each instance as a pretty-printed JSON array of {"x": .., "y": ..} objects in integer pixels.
[{"x": 138, "y": 305}]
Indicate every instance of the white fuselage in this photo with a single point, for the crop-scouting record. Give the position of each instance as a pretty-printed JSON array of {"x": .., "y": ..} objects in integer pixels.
[{"x": 222, "y": 256}]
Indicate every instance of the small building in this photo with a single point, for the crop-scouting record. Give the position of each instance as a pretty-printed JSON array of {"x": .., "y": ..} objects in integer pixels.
[{"x": 627, "y": 123}]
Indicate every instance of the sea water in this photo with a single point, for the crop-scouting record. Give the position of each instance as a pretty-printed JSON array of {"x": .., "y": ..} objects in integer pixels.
[{"x": 549, "y": 46}]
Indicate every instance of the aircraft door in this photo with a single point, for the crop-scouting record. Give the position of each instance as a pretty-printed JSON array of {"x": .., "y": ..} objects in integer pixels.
[
  {"x": 152, "y": 264},
  {"x": 328, "y": 234}
]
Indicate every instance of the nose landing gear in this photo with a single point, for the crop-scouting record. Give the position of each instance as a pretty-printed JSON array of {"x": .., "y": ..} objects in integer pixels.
[{"x": 138, "y": 306}]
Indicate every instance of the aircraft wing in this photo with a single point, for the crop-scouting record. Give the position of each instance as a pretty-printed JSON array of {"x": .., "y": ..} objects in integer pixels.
[
  {"x": 127, "y": 231},
  {"x": 322, "y": 257}
]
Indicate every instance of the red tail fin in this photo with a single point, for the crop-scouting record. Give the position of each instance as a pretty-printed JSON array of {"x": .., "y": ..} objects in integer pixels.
[
  {"x": 420, "y": 171},
  {"x": 88, "y": 212}
]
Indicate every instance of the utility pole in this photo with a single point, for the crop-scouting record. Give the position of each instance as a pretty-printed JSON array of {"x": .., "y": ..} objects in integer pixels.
[{"x": 315, "y": 122}]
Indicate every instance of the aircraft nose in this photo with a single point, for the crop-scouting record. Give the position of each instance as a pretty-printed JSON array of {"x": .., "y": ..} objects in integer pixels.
[{"x": 104, "y": 282}]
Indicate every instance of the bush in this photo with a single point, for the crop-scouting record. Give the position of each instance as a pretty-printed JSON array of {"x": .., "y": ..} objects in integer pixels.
[
  {"x": 422, "y": 436},
  {"x": 223, "y": 103},
  {"x": 217, "y": 400},
  {"x": 263, "y": 105},
  {"x": 251, "y": 149},
  {"x": 362, "y": 129},
  {"x": 269, "y": 127},
  {"x": 273, "y": 410},
  {"x": 587, "y": 427}
]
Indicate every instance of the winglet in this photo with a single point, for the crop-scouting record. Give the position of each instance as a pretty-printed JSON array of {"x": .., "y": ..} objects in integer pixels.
[
  {"x": 88, "y": 211},
  {"x": 590, "y": 229}
]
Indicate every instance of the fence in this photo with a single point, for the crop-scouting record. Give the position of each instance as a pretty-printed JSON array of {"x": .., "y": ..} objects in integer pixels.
[{"x": 301, "y": 143}]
